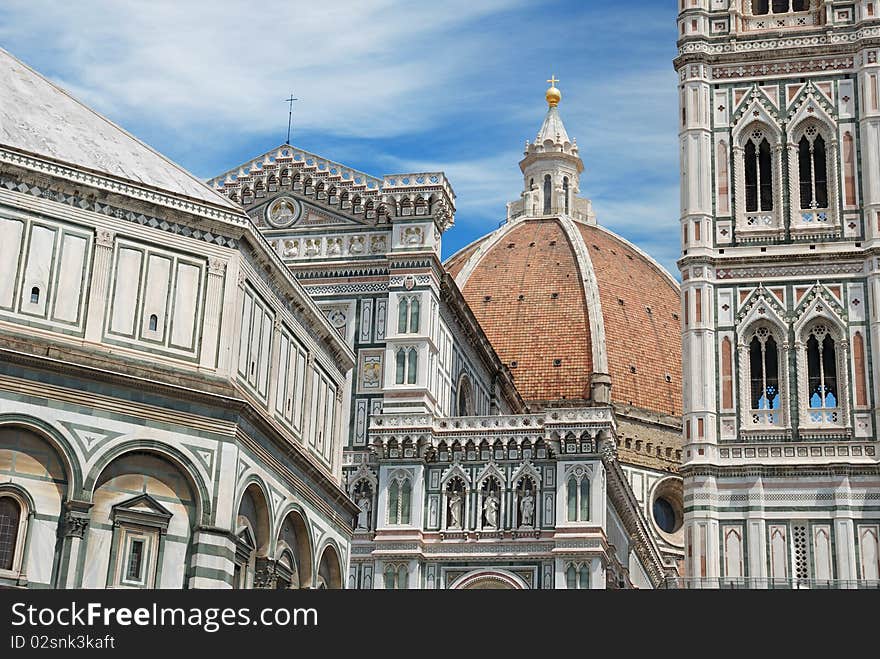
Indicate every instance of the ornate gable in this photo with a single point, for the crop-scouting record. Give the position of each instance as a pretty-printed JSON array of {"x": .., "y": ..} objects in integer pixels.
[
  {"x": 810, "y": 103},
  {"x": 755, "y": 106},
  {"x": 819, "y": 302},
  {"x": 761, "y": 305}
]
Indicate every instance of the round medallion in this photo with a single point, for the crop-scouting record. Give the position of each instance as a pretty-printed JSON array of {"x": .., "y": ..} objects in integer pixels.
[{"x": 283, "y": 212}]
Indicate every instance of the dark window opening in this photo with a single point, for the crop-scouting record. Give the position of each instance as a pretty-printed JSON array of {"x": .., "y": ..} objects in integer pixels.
[
  {"x": 10, "y": 517},
  {"x": 565, "y": 192},
  {"x": 822, "y": 370},
  {"x": 764, "y": 371},
  {"x": 135, "y": 560},
  {"x": 664, "y": 515},
  {"x": 35, "y": 295},
  {"x": 548, "y": 193}
]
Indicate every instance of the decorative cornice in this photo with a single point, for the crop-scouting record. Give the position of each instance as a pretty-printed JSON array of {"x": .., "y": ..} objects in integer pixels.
[
  {"x": 119, "y": 186},
  {"x": 9, "y": 182}
]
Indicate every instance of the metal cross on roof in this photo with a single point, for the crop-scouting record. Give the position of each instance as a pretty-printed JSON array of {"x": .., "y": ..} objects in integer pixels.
[
  {"x": 553, "y": 80},
  {"x": 289, "y": 101}
]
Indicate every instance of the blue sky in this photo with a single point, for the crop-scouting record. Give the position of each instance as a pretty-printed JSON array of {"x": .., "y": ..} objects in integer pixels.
[{"x": 386, "y": 86}]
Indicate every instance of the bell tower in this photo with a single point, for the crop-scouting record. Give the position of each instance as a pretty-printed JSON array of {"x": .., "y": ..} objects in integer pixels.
[{"x": 779, "y": 136}]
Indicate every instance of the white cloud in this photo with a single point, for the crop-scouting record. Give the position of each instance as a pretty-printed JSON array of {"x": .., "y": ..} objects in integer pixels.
[
  {"x": 394, "y": 77},
  {"x": 371, "y": 67}
]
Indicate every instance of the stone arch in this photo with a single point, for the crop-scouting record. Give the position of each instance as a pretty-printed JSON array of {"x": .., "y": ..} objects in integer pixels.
[
  {"x": 489, "y": 580},
  {"x": 140, "y": 476},
  {"x": 173, "y": 455},
  {"x": 329, "y": 567},
  {"x": 295, "y": 515},
  {"x": 59, "y": 443},
  {"x": 253, "y": 503}
]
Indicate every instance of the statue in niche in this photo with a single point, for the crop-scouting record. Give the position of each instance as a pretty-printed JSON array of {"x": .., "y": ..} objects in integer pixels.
[
  {"x": 356, "y": 246},
  {"x": 363, "y": 518},
  {"x": 527, "y": 509},
  {"x": 334, "y": 247},
  {"x": 490, "y": 509},
  {"x": 291, "y": 249},
  {"x": 378, "y": 244},
  {"x": 455, "y": 505},
  {"x": 313, "y": 247}
]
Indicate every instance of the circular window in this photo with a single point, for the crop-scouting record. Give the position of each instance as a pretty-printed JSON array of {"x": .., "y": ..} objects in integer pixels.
[
  {"x": 664, "y": 515},
  {"x": 667, "y": 510}
]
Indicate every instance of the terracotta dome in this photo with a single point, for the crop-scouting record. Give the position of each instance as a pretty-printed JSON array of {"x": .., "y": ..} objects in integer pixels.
[{"x": 568, "y": 306}]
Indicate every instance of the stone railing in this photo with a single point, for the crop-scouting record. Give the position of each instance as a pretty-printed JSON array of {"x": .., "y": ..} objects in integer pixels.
[
  {"x": 781, "y": 21},
  {"x": 493, "y": 423},
  {"x": 404, "y": 182},
  {"x": 766, "y": 583}
]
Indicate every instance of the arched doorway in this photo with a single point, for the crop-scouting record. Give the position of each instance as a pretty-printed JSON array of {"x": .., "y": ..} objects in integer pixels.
[{"x": 489, "y": 580}]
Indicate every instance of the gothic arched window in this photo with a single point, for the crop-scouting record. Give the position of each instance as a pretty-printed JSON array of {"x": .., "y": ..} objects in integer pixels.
[
  {"x": 812, "y": 170},
  {"x": 402, "y": 315},
  {"x": 408, "y": 315},
  {"x": 390, "y": 577},
  {"x": 583, "y": 578},
  {"x": 399, "y": 497},
  {"x": 572, "y": 499},
  {"x": 11, "y": 514},
  {"x": 548, "y": 193},
  {"x": 585, "y": 499},
  {"x": 412, "y": 366},
  {"x": 414, "y": 311},
  {"x": 571, "y": 577},
  {"x": 764, "y": 373},
  {"x": 400, "y": 360},
  {"x": 821, "y": 374},
  {"x": 578, "y": 498},
  {"x": 758, "y": 173}
]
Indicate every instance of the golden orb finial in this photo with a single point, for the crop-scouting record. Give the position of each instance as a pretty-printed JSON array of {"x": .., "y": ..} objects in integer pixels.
[{"x": 553, "y": 95}]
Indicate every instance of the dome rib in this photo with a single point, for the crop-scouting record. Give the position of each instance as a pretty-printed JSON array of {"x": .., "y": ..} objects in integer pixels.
[{"x": 591, "y": 295}]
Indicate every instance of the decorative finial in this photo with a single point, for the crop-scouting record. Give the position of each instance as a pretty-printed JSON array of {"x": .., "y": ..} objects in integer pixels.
[{"x": 553, "y": 95}]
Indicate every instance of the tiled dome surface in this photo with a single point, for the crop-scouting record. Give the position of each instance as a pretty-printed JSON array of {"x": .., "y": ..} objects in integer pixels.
[{"x": 537, "y": 316}]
